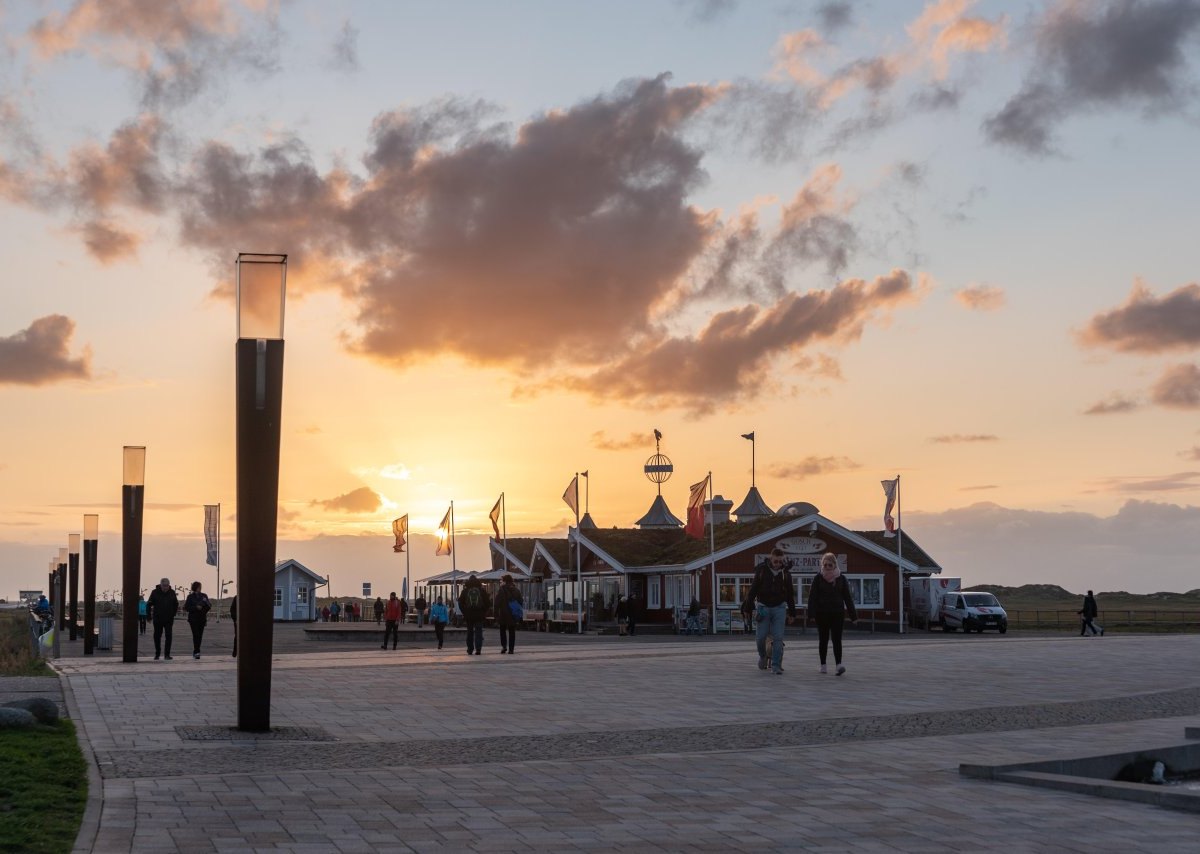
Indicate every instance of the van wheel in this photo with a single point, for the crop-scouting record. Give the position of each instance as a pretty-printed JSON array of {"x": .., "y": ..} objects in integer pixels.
[
  {"x": 979, "y": 630},
  {"x": 946, "y": 628},
  {"x": 1004, "y": 630}
]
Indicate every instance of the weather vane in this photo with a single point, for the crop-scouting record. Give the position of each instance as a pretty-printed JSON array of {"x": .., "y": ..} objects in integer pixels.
[{"x": 658, "y": 468}]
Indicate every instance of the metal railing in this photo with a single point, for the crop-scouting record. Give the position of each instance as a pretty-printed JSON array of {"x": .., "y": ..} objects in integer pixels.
[{"x": 1113, "y": 620}]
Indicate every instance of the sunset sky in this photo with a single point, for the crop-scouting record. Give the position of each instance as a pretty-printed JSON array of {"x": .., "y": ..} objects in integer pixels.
[{"x": 953, "y": 241}]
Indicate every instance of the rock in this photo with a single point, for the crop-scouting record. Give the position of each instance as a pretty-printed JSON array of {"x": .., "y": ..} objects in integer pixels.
[
  {"x": 46, "y": 711},
  {"x": 16, "y": 719}
]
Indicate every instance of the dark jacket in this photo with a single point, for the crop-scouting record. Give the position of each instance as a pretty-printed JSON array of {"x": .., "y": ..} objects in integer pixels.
[
  {"x": 507, "y": 593},
  {"x": 1090, "y": 610},
  {"x": 197, "y": 607},
  {"x": 162, "y": 605},
  {"x": 831, "y": 598},
  {"x": 477, "y": 613},
  {"x": 771, "y": 589},
  {"x": 233, "y": 609}
]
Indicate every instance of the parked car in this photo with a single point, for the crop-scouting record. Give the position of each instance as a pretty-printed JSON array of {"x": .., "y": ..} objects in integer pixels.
[{"x": 973, "y": 612}]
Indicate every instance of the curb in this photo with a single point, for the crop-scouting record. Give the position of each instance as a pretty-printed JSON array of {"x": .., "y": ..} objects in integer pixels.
[{"x": 89, "y": 826}]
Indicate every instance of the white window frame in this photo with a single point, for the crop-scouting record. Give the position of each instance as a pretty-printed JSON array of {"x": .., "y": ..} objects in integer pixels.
[
  {"x": 653, "y": 592},
  {"x": 741, "y": 583},
  {"x": 301, "y": 594},
  {"x": 278, "y": 597}
]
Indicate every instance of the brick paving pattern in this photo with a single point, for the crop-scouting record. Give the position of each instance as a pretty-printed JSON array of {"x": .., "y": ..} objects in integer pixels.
[{"x": 590, "y": 744}]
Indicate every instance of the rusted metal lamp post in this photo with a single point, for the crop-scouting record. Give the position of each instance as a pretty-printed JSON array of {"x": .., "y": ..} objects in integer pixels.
[
  {"x": 261, "y": 287},
  {"x": 132, "y": 502}
]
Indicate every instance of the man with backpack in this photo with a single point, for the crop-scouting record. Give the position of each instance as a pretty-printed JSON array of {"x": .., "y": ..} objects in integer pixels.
[
  {"x": 474, "y": 603},
  {"x": 510, "y": 610},
  {"x": 772, "y": 588}
]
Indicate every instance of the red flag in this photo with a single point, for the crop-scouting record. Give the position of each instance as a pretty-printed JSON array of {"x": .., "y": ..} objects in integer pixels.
[
  {"x": 400, "y": 529},
  {"x": 443, "y": 535},
  {"x": 889, "y": 489},
  {"x": 695, "y": 511},
  {"x": 495, "y": 515}
]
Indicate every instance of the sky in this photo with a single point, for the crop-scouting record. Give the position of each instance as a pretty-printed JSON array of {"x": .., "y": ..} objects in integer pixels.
[{"x": 949, "y": 241}]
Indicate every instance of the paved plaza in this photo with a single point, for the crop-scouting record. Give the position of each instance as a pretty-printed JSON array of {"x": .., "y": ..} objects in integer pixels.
[{"x": 645, "y": 744}]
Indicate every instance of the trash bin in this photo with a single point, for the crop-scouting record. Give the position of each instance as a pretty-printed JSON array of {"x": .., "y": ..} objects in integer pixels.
[{"x": 106, "y": 633}]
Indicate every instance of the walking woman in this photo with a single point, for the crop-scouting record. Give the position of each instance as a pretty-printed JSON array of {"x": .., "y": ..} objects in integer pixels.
[
  {"x": 509, "y": 610},
  {"x": 830, "y": 602},
  {"x": 439, "y": 616},
  {"x": 197, "y": 607}
]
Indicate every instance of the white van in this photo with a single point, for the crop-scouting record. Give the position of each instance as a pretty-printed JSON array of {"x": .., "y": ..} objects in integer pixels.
[{"x": 972, "y": 611}]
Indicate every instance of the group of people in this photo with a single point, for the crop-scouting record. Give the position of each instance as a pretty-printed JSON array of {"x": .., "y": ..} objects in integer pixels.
[
  {"x": 772, "y": 600},
  {"x": 162, "y": 606},
  {"x": 474, "y": 602}
]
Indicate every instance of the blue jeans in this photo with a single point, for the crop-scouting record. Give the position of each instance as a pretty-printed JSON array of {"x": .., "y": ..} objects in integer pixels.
[
  {"x": 771, "y": 621},
  {"x": 474, "y": 636}
]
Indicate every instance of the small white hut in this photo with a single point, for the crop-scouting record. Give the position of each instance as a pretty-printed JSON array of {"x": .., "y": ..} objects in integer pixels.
[{"x": 296, "y": 591}]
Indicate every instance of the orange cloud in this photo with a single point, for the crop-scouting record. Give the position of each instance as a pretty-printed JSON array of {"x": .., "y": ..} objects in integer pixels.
[
  {"x": 361, "y": 500},
  {"x": 980, "y": 297},
  {"x": 1148, "y": 324}
]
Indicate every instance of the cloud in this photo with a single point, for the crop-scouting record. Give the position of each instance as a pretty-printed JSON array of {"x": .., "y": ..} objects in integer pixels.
[
  {"x": 812, "y": 466},
  {"x": 1192, "y": 453},
  {"x": 175, "y": 50},
  {"x": 40, "y": 354},
  {"x": 1178, "y": 387},
  {"x": 727, "y": 360},
  {"x": 835, "y": 15},
  {"x": 1115, "y": 403},
  {"x": 980, "y": 297},
  {"x": 962, "y": 439},
  {"x": 1146, "y": 324},
  {"x": 707, "y": 11},
  {"x": 361, "y": 500},
  {"x": 978, "y": 488},
  {"x": 1178, "y": 482},
  {"x": 601, "y": 441},
  {"x": 395, "y": 471},
  {"x": 344, "y": 53},
  {"x": 1093, "y": 55}
]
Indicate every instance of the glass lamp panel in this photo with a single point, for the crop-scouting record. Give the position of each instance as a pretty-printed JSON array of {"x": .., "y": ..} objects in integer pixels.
[
  {"x": 135, "y": 465},
  {"x": 261, "y": 284},
  {"x": 91, "y": 526},
  {"x": 53, "y": 565},
  {"x": 62, "y": 555},
  {"x": 73, "y": 543}
]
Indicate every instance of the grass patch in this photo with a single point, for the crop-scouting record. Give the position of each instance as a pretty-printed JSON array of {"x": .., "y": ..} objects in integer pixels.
[
  {"x": 43, "y": 789},
  {"x": 43, "y": 778},
  {"x": 16, "y": 652}
]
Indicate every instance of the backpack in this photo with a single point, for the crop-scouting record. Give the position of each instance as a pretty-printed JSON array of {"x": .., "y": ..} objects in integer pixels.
[
  {"x": 474, "y": 599},
  {"x": 517, "y": 611}
]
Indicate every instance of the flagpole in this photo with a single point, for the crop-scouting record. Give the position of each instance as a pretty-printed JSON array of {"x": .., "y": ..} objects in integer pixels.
[
  {"x": 219, "y": 591},
  {"x": 408, "y": 591},
  {"x": 753, "y": 459},
  {"x": 578, "y": 566},
  {"x": 712, "y": 550},
  {"x": 900, "y": 551},
  {"x": 504, "y": 527}
]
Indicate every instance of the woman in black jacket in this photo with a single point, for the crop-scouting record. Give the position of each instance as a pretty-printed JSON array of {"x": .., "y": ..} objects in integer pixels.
[
  {"x": 197, "y": 607},
  {"x": 830, "y": 601}
]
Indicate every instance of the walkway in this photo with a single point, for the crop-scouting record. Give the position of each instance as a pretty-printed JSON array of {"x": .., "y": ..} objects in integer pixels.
[{"x": 598, "y": 744}]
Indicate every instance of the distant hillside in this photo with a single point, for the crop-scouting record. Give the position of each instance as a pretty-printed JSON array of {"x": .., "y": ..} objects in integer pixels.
[{"x": 1053, "y": 596}]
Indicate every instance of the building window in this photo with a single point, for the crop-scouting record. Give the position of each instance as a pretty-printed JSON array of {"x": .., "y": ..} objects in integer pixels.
[
  {"x": 278, "y": 597},
  {"x": 679, "y": 591},
  {"x": 654, "y": 592},
  {"x": 732, "y": 590},
  {"x": 867, "y": 590},
  {"x": 302, "y": 594}
]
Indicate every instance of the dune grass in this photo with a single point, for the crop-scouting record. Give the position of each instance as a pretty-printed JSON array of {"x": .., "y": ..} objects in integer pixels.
[{"x": 43, "y": 778}]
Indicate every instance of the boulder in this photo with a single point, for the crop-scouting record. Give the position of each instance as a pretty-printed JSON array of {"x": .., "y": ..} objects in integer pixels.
[
  {"x": 16, "y": 719},
  {"x": 45, "y": 710}
]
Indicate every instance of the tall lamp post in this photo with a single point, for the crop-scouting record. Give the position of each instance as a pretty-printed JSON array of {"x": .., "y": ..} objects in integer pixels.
[
  {"x": 91, "y": 532},
  {"x": 60, "y": 590},
  {"x": 261, "y": 286},
  {"x": 73, "y": 583},
  {"x": 50, "y": 594},
  {"x": 132, "y": 502}
]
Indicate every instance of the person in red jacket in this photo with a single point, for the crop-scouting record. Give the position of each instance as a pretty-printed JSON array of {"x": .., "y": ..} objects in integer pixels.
[{"x": 391, "y": 613}]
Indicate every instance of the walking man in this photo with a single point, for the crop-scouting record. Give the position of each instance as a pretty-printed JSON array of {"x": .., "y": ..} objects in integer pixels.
[
  {"x": 473, "y": 602},
  {"x": 772, "y": 588},
  {"x": 420, "y": 604},
  {"x": 510, "y": 609},
  {"x": 197, "y": 607},
  {"x": 162, "y": 606},
  {"x": 392, "y": 614},
  {"x": 379, "y": 610},
  {"x": 1088, "y": 612}
]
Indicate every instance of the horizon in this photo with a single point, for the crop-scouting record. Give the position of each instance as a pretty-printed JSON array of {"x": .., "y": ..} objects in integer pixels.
[{"x": 934, "y": 240}]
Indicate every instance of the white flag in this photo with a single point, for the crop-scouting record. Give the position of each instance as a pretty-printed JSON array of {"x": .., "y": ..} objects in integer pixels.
[
  {"x": 571, "y": 496},
  {"x": 889, "y": 489},
  {"x": 443, "y": 535}
]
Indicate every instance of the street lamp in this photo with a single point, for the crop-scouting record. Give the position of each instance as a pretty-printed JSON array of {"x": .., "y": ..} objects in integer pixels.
[
  {"x": 60, "y": 590},
  {"x": 261, "y": 286},
  {"x": 132, "y": 501},
  {"x": 91, "y": 532},
  {"x": 73, "y": 582}
]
